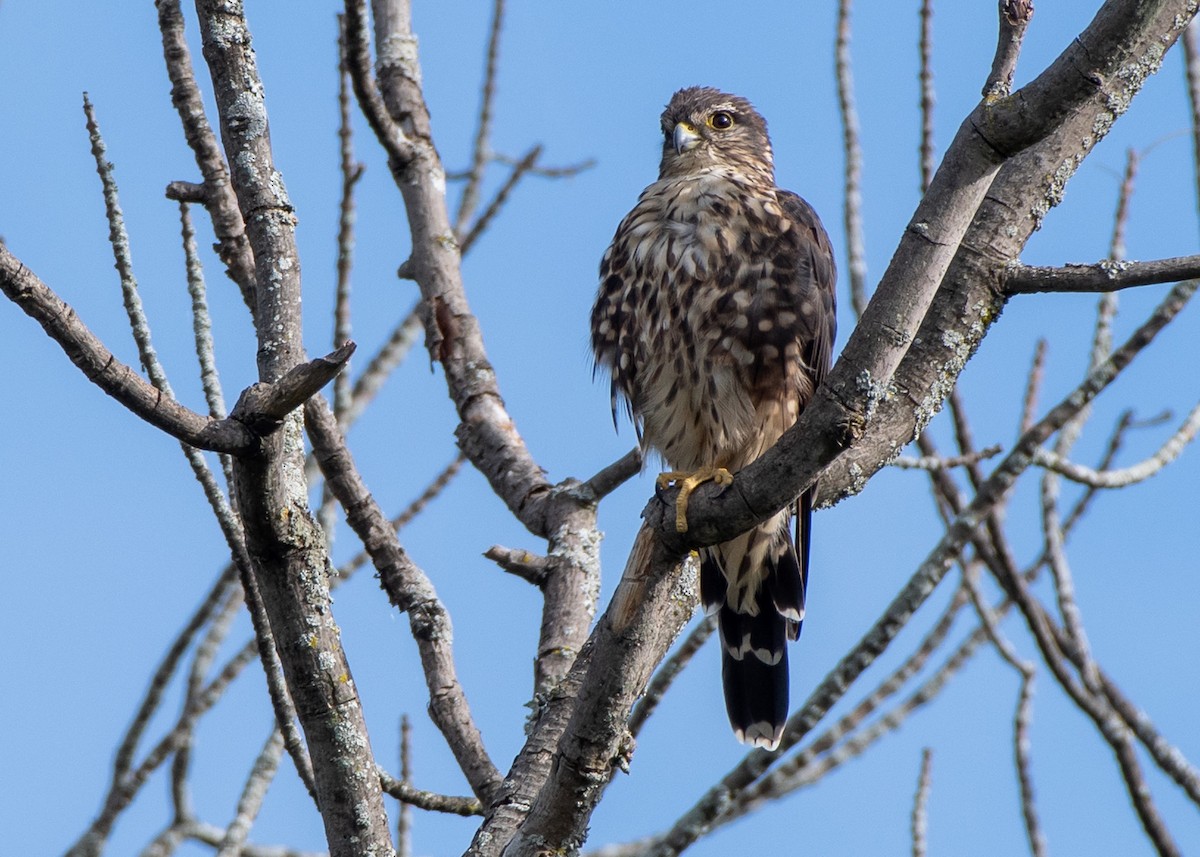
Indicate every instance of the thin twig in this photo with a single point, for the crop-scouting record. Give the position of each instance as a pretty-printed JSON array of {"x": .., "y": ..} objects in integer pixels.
[
  {"x": 566, "y": 172},
  {"x": 210, "y": 380},
  {"x": 1124, "y": 476},
  {"x": 934, "y": 462},
  {"x": 1021, "y": 720},
  {"x": 482, "y": 150},
  {"x": 927, "y": 94},
  {"x": 351, "y": 173},
  {"x": 1191, "y": 53},
  {"x": 852, "y": 149},
  {"x": 609, "y": 478},
  {"x": 403, "y": 791},
  {"x": 121, "y": 794},
  {"x": 206, "y": 654},
  {"x": 493, "y": 208},
  {"x": 255, "y": 790},
  {"x": 1033, "y": 386},
  {"x": 212, "y": 835},
  {"x": 1021, "y": 753},
  {"x": 390, "y": 355},
  {"x": 1064, "y": 586},
  {"x": 521, "y": 563},
  {"x": 1014, "y": 18},
  {"x": 920, "y": 812},
  {"x": 123, "y": 760},
  {"x": 404, "y": 816}
]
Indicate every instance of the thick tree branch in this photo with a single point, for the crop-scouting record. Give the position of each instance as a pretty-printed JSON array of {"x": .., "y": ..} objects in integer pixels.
[
  {"x": 286, "y": 546},
  {"x": 921, "y": 585},
  {"x": 1126, "y": 35},
  {"x": 1107, "y": 276},
  {"x": 1029, "y": 184}
]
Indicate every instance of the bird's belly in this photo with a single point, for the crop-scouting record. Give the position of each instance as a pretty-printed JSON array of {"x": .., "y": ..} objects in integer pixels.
[{"x": 696, "y": 414}]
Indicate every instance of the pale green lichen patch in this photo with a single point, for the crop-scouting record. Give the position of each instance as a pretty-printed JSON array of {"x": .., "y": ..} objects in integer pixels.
[{"x": 873, "y": 392}]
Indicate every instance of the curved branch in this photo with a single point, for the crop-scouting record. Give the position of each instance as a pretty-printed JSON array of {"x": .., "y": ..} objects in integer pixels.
[
  {"x": 486, "y": 432},
  {"x": 102, "y": 368},
  {"x": 1124, "y": 476}
]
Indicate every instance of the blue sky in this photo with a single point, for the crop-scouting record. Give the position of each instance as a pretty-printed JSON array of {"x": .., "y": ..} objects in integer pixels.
[{"x": 109, "y": 543}]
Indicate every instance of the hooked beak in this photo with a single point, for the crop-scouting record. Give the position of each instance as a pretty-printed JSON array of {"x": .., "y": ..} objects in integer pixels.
[{"x": 685, "y": 137}]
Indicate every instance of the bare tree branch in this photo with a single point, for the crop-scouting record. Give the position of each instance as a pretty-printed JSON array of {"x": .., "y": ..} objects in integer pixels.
[
  {"x": 521, "y": 563},
  {"x": 1191, "y": 54},
  {"x": 482, "y": 150},
  {"x": 252, "y": 796},
  {"x": 925, "y": 49},
  {"x": 1124, "y": 476},
  {"x": 1015, "y": 16},
  {"x": 411, "y": 591},
  {"x": 1106, "y": 276},
  {"x": 404, "y": 816},
  {"x": 852, "y": 152},
  {"x": 608, "y": 479},
  {"x": 101, "y": 367},
  {"x": 404, "y": 792},
  {"x": 232, "y": 244},
  {"x": 920, "y": 811},
  {"x": 519, "y": 171},
  {"x": 286, "y": 549},
  {"x": 935, "y": 462}
]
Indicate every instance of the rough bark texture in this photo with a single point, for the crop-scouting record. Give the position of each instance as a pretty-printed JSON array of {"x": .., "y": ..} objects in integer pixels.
[{"x": 286, "y": 547}]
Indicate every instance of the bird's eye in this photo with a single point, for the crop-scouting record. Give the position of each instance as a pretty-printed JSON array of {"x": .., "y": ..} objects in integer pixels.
[{"x": 721, "y": 120}]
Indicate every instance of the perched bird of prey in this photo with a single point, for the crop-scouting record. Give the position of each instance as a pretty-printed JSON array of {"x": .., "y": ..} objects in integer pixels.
[{"x": 715, "y": 318}]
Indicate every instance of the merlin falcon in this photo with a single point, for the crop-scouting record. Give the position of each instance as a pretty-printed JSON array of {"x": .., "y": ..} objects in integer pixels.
[{"x": 715, "y": 318}]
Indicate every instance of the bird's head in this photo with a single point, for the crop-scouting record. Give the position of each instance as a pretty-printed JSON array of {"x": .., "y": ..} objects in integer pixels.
[{"x": 705, "y": 128}]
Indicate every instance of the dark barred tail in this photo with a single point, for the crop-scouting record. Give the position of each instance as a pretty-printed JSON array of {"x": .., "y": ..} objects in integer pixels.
[
  {"x": 756, "y": 688},
  {"x": 754, "y": 633}
]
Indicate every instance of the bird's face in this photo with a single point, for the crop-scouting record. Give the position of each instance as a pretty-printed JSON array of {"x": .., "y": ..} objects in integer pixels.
[{"x": 704, "y": 128}]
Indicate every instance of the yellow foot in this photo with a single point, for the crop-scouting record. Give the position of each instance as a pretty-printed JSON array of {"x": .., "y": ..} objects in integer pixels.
[{"x": 689, "y": 482}]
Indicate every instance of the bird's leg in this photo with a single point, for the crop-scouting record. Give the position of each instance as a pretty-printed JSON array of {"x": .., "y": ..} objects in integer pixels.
[{"x": 687, "y": 483}]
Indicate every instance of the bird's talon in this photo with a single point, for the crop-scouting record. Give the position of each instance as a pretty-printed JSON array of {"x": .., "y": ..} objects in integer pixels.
[{"x": 689, "y": 482}]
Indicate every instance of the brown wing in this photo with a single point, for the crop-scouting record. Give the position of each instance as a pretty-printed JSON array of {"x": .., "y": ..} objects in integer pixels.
[{"x": 814, "y": 285}]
